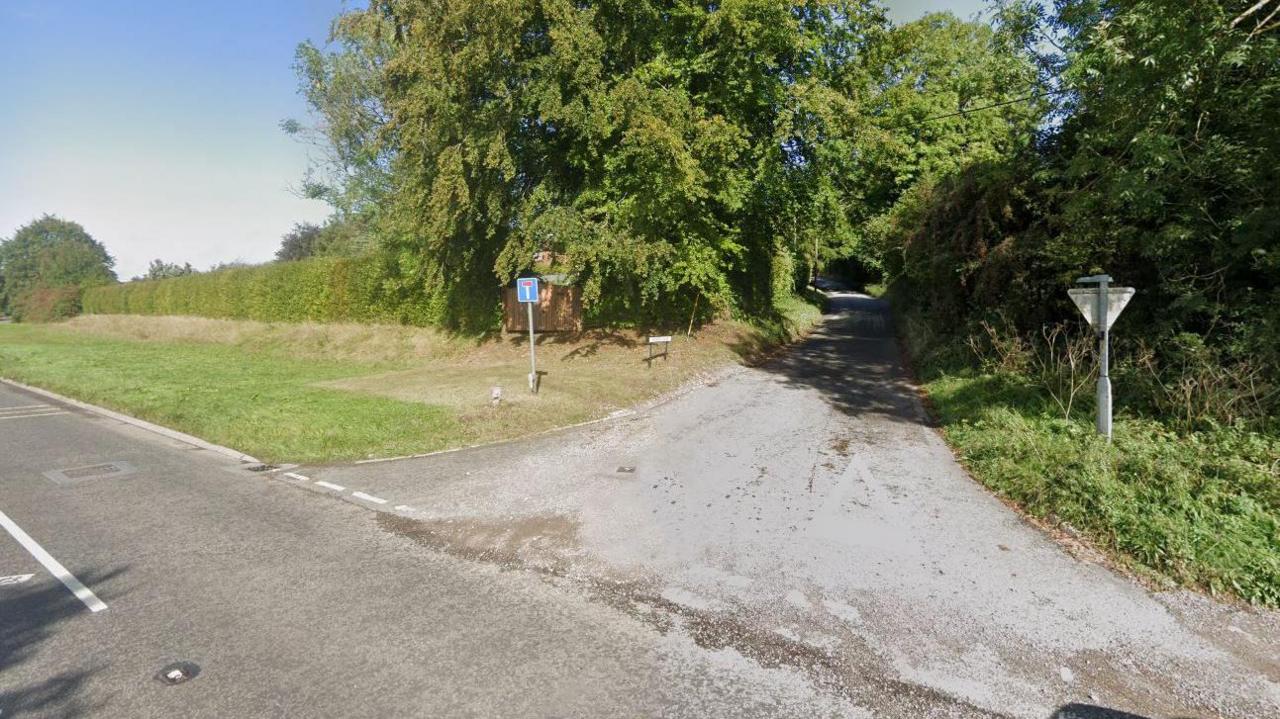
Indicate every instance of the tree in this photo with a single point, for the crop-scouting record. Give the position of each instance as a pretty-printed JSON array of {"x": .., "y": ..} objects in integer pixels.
[
  {"x": 639, "y": 141},
  {"x": 51, "y": 253},
  {"x": 1156, "y": 164},
  {"x": 343, "y": 86},
  {"x": 1168, "y": 162},
  {"x": 949, "y": 95},
  {"x": 160, "y": 270},
  {"x": 301, "y": 242}
]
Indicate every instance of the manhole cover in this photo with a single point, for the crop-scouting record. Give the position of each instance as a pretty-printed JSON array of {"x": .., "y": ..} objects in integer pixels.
[
  {"x": 73, "y": 475},
  {"x": 177, "y": 673}
]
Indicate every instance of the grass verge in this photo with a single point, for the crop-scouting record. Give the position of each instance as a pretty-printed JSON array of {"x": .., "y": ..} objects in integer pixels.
[
  {"x": 319, "y": 393},
  {"x": 1198, "y": 509}
]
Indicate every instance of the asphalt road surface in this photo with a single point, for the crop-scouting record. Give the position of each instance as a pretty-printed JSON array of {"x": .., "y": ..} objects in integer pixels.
[{"x": 787, "y": 540}]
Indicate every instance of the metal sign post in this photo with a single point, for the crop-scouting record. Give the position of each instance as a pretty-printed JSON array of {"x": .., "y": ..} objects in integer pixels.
[
  {"x": 1101, "y": 306},
  {"x": 527, "y": 292}
]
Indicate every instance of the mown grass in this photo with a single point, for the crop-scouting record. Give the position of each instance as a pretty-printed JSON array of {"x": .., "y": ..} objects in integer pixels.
[
  {"x": 258, "y": 403},
  {"x": 1199, "y": 509},
  {"x": 319, "y": 393}
]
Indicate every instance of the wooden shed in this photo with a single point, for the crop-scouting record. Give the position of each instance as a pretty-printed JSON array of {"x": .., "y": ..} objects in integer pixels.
[{"x": 559, "y": 309}]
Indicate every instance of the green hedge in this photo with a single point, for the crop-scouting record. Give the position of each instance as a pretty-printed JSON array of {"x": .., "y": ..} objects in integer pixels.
[{"x": 324, "y": 289}]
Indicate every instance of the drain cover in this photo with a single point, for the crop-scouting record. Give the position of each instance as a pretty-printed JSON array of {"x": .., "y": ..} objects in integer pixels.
[
  {"x": 97, "y": 470},
  {"x": 75, "y": 475},
  {"x": 177, "y": 673}
]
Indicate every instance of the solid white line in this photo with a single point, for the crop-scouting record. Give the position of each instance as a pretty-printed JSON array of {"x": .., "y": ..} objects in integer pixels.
[
  {"x": 57, "y": 570},
  {"x": 368, "y": 497},
  {"x": 330, "y": 485},
  {"x": 298, "y": 477},
  {"x": 35, "y": 414}
]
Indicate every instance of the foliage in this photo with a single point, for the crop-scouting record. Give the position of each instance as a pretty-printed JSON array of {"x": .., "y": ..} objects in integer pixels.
[
  {"x": 338, "y": 237},
  {"x": 1168, "y": 165},
  {"x": 1158, "y": 167},
  {"x": 50, "y": 253},
  {"x": 160, "y": 270},
  {"x": 299, "y": 243},
  {"x": 670, "y": 153},
  {"x": 343, "y": 87},
  {"x": 47, "y": 304},
  {"x": 949, "y": 94},
  {"x": 1201, "y": 509},
  {"x": 327, "y": 289},
  {"x": 677, "y": 159}
]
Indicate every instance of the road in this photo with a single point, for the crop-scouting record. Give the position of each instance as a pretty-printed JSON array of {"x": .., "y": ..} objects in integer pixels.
[{"x": 785, "y": 540}]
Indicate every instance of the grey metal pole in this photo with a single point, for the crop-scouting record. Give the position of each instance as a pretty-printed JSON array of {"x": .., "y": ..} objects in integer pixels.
[
  {"x": 1104, "y": 372},
  {"x": 533, "y": 359}
]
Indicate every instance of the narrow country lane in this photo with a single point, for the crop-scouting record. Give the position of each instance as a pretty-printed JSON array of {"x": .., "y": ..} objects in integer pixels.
[{"x": 804, "y": 515}]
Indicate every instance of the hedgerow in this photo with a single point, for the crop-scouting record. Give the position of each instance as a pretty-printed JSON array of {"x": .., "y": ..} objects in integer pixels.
[{"x": 323, "y": 289}]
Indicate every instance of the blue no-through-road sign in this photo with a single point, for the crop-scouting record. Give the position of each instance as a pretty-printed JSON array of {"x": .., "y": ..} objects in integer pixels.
[{"x": 527, "y": 289}]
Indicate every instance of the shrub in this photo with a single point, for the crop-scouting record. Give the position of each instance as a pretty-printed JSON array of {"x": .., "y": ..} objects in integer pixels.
[{"x": 47, "y": 304}]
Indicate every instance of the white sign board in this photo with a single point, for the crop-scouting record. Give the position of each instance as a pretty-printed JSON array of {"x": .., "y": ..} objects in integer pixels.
[
  {"x": 659, "y": 340},
  {"x": 1086, "y": 298}
]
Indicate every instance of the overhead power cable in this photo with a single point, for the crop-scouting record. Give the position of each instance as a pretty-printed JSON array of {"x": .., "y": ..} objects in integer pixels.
[{"x": 1002, "y": 103}]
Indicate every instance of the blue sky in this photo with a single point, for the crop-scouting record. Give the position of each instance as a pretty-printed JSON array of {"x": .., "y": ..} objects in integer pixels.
[{"x": 155, "y": 124}]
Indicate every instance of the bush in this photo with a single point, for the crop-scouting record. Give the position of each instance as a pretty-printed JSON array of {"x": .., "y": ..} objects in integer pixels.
[
  {"x": 326, "y": 289},
  {"x": 47, "y": 304}
]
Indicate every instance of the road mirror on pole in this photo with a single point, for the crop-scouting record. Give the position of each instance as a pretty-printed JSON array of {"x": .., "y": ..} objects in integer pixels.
[
  {"x": 1101, "y": 305},
  {"x": 527, "y": 292}
]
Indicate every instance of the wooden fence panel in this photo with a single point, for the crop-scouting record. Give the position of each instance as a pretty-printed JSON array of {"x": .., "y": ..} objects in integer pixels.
[{"x": 559, "y": 309}]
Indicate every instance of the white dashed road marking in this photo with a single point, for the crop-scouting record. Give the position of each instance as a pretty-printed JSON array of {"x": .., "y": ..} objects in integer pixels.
[
  {"x": 404, "y": 508},
  {"x": 368, "y": 497},
  {"x": 330, "y": 485},
  {"x": 57, "y": 570},
  {"x": 298, "y": 477}
]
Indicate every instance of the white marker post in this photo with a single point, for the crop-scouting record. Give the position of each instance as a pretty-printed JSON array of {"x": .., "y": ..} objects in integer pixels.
[
  {"x": 1101, "y": 306},
  {"x": 527, "y": 292}
]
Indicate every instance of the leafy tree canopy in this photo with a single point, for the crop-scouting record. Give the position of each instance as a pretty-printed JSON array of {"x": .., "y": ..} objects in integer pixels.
[
  {"x": 159, "y": 270},
  {"x": 343, "y": 86},
  {"x": 300, "y": 242},
  {"x": 51, "y": 252},
  {"x": 657, "y": 147}
]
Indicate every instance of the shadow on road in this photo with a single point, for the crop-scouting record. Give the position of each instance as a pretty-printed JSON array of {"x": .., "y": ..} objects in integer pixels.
[
  {"x": 853, "y": 361},
  {"x": 1089, "y": 711},
  {"x": 28, "y": 618},
  {"x": 58, "y": 696}
]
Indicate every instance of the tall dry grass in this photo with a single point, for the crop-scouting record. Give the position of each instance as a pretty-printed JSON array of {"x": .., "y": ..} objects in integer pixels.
[{"x": 351, "y": 342}]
